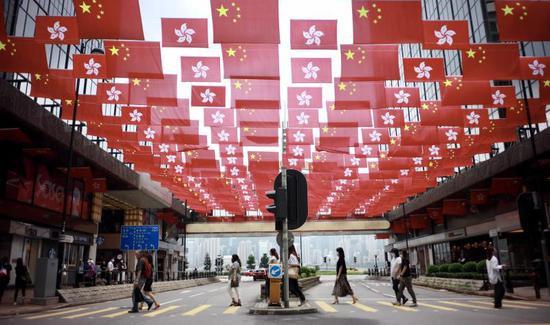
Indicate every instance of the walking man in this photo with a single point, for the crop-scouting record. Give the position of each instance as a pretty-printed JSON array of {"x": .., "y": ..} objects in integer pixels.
[
  {"x": 405, "y": 280},
  {"x": 493, "y": 273},
  {"x": 395, "y": 267},
  {"x": 139, "y": 283}
]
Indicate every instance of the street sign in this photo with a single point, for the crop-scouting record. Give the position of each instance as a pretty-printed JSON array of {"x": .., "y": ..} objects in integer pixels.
[
  {"x": 139, "y": 237},
  {"x": 275, "y": 271},
  {"x": 280, "y": 239}
]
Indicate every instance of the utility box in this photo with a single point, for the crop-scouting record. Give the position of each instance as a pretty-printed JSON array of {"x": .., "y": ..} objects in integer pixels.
[{"x": 45, "y": 277}]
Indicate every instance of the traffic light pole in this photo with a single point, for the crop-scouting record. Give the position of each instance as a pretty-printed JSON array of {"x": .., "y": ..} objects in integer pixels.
[{"x": 285, "y": 245}]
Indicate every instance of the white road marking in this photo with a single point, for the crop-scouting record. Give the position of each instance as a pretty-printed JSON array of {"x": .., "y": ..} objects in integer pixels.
[
  {"x": 186, "y": 291},
  {"x": 196, "y": 295},
  {"x": 171, "y": 301}
]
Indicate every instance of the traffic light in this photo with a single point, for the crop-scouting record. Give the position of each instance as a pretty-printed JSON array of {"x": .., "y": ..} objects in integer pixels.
[
  {"x": 355, "y": 259},
  {"x": 324, "y": 259},
  {"x": 531, "y": 213},
  {"x": 278, "y": 207},
  {"x": 296, "y": 199}
]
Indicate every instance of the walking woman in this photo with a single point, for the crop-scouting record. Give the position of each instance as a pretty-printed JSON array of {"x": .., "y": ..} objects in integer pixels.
[
  {"x": 273, "y": 259},
  {"x": 234, "y": 280},
  {"x": 148, "y": 287},
  {"x": 405, "y": 281},
  {"x": 21, "y": 279},
  {"x": 341, "y": 285},
  {"x": 294, "y": 274}
]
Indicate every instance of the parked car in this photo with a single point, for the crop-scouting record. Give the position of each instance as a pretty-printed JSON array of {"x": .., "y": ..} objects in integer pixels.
[
  {"x": 248, "y": 272},
  {"x": 259, "y": 274}
]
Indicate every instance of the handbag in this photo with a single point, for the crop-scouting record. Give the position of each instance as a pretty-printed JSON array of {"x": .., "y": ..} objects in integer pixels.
[
  {"x": 234, "y": 283},
  {"x": 294, "y": 272}
]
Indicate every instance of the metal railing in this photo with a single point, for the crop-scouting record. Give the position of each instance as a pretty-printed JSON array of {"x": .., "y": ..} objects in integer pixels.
[{"x": 125, "y": 277}]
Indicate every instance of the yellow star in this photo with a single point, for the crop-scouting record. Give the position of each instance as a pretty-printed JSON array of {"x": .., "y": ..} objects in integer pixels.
[
  {"x": 392, "y": 141},
  {"x": 508, "y": 10},
  {"x": 349, "y": 55},
  {"x": 237, "y": 84},
  {"x": 325, "y": 129},
  {"x": 546, "y": 83},
  {"x": 2, "y": 46},
  {"x": 425, "y": 106},
  {"x": 222, "y": 11},
  {"x": 447, "y": 83},
  {"x": 363, "y": 12},
  {"x": 85, "y": 7},
  {"x": 252, "y": 156},
  {"x": 230, "y": 51},
  {"x": 407, "y": 128},
  {"x": 471, "y": 53},
  {"x": 114, "y": 50},
  {"x": 37, "y": 76},
  {"x": 342, "y": 86},
  {"x": 382, "y": 155},
  {"x": 136, "y": 82},
  {"x": 246, "y": 129}
]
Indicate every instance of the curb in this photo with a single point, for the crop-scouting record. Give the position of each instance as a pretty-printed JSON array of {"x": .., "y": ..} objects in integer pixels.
[{"x": 283, "y": 311}]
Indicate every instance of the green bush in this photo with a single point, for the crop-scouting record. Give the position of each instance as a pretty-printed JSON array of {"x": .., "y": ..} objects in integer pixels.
[
  {"x": 307, "y": 271},
  {"x": 470, "y": 267},
  {"x": 462, "y": 275},
  {"x": 433, "y": 269},
  {"x": 456, "y": 268},
  {"x": 481, "y": 267},
  {"x": 444, "y": 268}
]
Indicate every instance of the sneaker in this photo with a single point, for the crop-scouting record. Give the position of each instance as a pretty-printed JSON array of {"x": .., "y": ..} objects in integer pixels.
[
  {"x": 405, "y": 300},
  {"x": 413, "y": 304},
  {"x": 132, "y": 311},
  {"x": 149, "y": 305},
  {"x": 156, "y": 307}
]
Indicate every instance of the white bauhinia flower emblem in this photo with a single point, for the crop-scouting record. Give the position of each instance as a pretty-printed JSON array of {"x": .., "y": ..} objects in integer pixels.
[
  {"x": 339, "y": 188},
  {"x": 404, "y": 172},
  {"x": 163, "y": 147},
  {"x": 313, "y": 36},
  {"x": 113, "y": 94},
  {"x": 190, "y": 178},
  {"x": 232, "y": 160},
  {"x": 402, "y": 97},
  {"x": 444, "y": 35},
  {"x": 330, "y": 199},
  {"x": 434, "y": 150},
  {"x": 171, "y": 158},
  {"x": 375, "y": 136},
  {"x": 298, "y": 136},
  {"x": 348, "y": 172},
  {"x": 184, "y": 34},
  {"x": 355, "y": 161},
  {"x": 179, "y": 169},
  {"x": 293, "y": 162},
  {"x": 537, "y": 68},
  {"x": 149, "y": 133},
  {"x": 92, "y": 67},
  {"x": 473, "y": 118},
  {"x": 366, "y": 150},
  {"x": 388, "y": 118},
  {"x": 304, "y": 98},
  {"x": 423, "y": 70},
  {"x": 451, "y": 135},
  {"x": 136, "y": 115},
  {"x": 310, "y": 71},
  {"x": 208, "y": 96},
  {"x": 298, "y": 151},
  {"x": 234, "y": 171},
  {"x": 230, "y": 150},
  {"x": 498, "y": 98},
  {"x": 217, "y": 118},
  {"x": 246, "y": 197},
  {"x": 417, "y": 160},
  {"x": 343, "y": 181},
  {"x": 394, "y": 181},
  {"x": 57, "y": 31},
  {"x": 303, "y": 118},
  {"x": 200, "y": 70},
  {"x": 223, "y": 136},
  {"x": 240, "y": 180}
]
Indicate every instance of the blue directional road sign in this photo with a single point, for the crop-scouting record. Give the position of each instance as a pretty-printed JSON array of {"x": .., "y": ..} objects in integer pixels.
[
  {"x": 275, "y": 271},
  {"x": 139, "y": 238}
]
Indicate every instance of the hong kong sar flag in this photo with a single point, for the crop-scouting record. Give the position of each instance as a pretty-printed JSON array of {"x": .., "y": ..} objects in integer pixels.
[
  {"x": 424, "y": 69},
  {"x": 56, "y": 30},
  {"x": 184, "y": 32},
  {"x": 200, "y": 69},
  {"x": 93, "y": 66},
  {"x": 534, "y": 68},
  {"x": 313, "y": 34},
  {"x": 446, "y": 35},
  {"x": 305, "y": 97},
  {"x": 208, "y": 96},
  {"x": 313, "y": 70},
  {"x": 491, "y": 62}
]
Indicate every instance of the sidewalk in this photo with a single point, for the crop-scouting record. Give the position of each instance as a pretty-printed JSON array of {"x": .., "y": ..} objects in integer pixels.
[
  {"x": 7, "y": 308},
  {"x": 528, "y": 293}
]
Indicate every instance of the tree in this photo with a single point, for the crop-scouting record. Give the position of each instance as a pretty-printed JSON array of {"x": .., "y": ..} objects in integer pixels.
[
  {"x": 264, "y": 261},
  {"x": 251, "y": 262},
  {"x": 219, "y": 263},
  {"x": 207, "y": 262}
]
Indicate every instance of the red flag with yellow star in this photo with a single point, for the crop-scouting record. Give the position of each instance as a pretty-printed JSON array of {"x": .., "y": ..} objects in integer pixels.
[
  {"x": 127, "y": 59},
  {"x": 454, "y": 207},
  {"x": 349, "y": 118},
  {"x": 387, "y": 21},
  {"x": 369, "y": 62},
  {"x": 523, "y": 20},
  {"x": 268, "y": 118},
  {"x": 446, "y": 35},
  {"x": 56, "y": 84},
  {"x": 154, "y": 92},
  {"x": 171, "y": 115},
  {"x": 255, "y": 93},
  {"x": 456, "y": 91},
  {"x": 252, "y": 61},
  {"x": 359, "y": 94},
  {"x": 56, "y": 30},
  {"x": 413, "y": 133},
  {"x": 200, "y": 69},
  {"x": 311, "y": 70},
  {"x": 245, "y": 21},
  {"x": 109, "y": 19},
  {"x": 208, "y": 96},
  {"x": 544, "y": 90},
  {"x": 491, "y": 62},
  {"x": 184, "y": 32},
  {"x": 313, "y": 34},
  {"x": 22, "y": 54},
  {"x": 91, "y": 66},
  {"x": 424, "y": 69},
  {"x": 432, "y": 113}
]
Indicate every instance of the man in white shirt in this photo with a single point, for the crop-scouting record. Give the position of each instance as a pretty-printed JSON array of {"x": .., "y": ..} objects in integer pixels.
[
  {"x": 395, "y": 271},
  {"x": 110, "y": 270},
  {"x": 495, "y": 279}
]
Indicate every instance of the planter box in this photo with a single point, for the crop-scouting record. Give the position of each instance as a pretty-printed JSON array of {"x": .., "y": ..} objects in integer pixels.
[{"x": 460, "y": 285}]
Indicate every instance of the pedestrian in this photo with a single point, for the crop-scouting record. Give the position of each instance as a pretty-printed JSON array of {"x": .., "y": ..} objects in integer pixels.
[
  {"x": 405, "y": 280},
  {"x": 495, "y": 278},
  {"x": 79, "y": 273},
  {"x": 273, "y": 259},
  {"x": 395, "y": 266},
  {"x": 148, "y": 287},
  {"x": 234, "y": 280},
  {"x": 22, "y": 278},
  {"x": 110, "y": 270},
  {"x": 5, "y": 273},
  {"x": 143, "y": 270},
  {"x": 341, "y": 285},
  {"x": 91, "y": 273},
  {"x": 294, "y": 274}
]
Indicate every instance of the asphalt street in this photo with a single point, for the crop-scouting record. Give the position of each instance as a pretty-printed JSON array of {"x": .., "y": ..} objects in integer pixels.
[{"x": 209, "y": 305}]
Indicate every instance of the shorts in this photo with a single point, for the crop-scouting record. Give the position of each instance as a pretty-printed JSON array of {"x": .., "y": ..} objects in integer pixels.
[{"x": 148, "y": 285}]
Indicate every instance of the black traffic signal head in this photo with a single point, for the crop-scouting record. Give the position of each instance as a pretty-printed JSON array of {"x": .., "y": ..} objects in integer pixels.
[
  {"x": 297, "y": 208},
  {"x": 278, "y": 208}
]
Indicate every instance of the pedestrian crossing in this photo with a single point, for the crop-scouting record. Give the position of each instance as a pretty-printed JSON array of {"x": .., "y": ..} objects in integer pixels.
[{"x": 324, "y": 306}]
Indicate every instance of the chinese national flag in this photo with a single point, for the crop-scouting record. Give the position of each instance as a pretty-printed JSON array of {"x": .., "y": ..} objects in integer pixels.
[
  {"x": 424, "y": 69},
  {"x": 388, "y": 118},
  {"x": 92, "y": 66},
  {"x": 415, "y": 134},
  {"x": 251, "y": 136},
  {"x": 534, "y": 67},
  {"x": 436, "y": 214},
  {"x": 208, "y": 96},
  {"x": 154, "y": 92},
  {"x": 311, "y": 70},
  {"x": 402, "y": 97},
  {"x": 56, "y": 30},
  {"x": 252, "y": 61},
  {"x": 446, "y": 35},
  {"x": 491, "y": 62},
  {"x": 113, "y": 93},
  {"x": 313, "y": 34},
  {"x": 432, "y": 113},
  {"x": 112, "y": 19},
  {"x": 349, "y": 118},
  {"x": 359, "y": 94},
  {"x": 510, "y": 186},
  {"x": 255, "y": 93},
  {"x": 456, "y": 91},
  {"x": 369, "y": 62},
  {"x": 303, "y": 118},
  {"x": 56, "y": 84},
  {"x": 268, "y": 118},
  {"x": 97, "y": 185},
  {"x": 245, "y": 21},
  {"x": 305, "y": 97},
  {"x": 88, "y": 109},
  {"x": 184, "y": 32},
  {"x": 2, "y": 23},
  {"x": 419, "y": 221},
  {"x": 523, "y": 20},
  {"x": 454, "y": 207},
  {"x": 200, "y": 69},
  {"x": 133, "y": 59},
  {"x": 387, "y": 21},
  {"x": 544, "y": 90},
  {"x": 22, "y": 54},
  {"x": 219, "y": 117}
]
